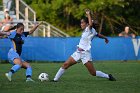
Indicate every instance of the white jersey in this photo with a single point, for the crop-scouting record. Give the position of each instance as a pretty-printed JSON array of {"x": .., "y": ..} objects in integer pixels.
[{"x": 86, "y": 38}]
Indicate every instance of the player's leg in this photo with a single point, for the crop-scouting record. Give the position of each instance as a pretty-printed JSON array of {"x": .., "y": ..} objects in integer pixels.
[
  {"x": 65, "y": 66},
  {"x": 28, "y": 68},
  {"x": 93, "y": 72},
  {"x": 87, "y": 61},
  {"x": 71, "y": 61},
  {"x": 16, "y": 66}
]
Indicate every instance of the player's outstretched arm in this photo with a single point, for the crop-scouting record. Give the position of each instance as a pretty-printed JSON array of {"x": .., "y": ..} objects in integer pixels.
[
  {"x": 34, "y": 28},
  {"x": 4, "y": 33},
  {"x": 88, "y": 14},
  {"x": 103, "y": 37}
]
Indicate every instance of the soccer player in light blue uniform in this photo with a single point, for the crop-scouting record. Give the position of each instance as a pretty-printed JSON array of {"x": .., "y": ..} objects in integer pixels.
[{"x": 17, "y": 39}]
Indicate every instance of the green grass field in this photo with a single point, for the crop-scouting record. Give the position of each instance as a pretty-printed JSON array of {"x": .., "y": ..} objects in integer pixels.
[{"x": 75, "y": 80}]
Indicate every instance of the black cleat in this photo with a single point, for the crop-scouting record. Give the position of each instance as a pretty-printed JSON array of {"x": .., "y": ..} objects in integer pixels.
[
  {"x": 111, "y": 78},
  {"x": 53, "y": 81}
]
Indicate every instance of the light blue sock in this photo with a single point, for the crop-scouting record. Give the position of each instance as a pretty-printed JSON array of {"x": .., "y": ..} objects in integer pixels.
[
  {"x": 14, "y": 69},
  {"x": 10, "y": 73},
  {"x": 28, "y": 72}
]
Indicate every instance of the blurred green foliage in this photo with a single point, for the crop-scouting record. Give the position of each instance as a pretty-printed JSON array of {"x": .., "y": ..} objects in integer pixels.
[
  {"x": 0, "y": 2},
  {"x": 66, "y": 14}
]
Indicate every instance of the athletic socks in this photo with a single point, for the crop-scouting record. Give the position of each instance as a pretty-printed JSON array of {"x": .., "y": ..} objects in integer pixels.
[
  {"x": 10, "y": 73},
  {"x": 59, "y": 74},
  {"x": 101, "y": 74},
  {"x": 14, "y": 69},
  {"x": 28, "y": 72}
]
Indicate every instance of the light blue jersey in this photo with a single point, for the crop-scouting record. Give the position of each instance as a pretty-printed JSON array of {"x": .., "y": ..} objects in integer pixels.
[{"x": 17, "y": 41}]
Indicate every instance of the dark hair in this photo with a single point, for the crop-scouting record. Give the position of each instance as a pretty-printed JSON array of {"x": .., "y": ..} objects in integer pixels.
[
  {"x": 85, "y": 19},
  {"x": 19, "y": 25},
  {"x": 16, "y": 26},
  {"x": 12, "y": 28}
]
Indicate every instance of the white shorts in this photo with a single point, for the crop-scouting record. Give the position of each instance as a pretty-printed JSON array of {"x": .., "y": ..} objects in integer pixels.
[{"x": 84, "y": 56}]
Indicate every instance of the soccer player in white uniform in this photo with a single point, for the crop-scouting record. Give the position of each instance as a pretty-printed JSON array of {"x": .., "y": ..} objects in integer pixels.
[{"x": 83, "y": 51}]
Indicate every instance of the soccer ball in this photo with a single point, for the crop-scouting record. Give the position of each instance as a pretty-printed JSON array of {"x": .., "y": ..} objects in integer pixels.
[{"x": 43, "y": 77}]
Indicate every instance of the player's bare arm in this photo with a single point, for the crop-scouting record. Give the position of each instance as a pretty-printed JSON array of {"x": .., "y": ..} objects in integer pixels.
[
  {"x": 88, "y": 14},
  {"x": 34, "y": 28},
  {"x": 103, "y": 37},
  {"x": 4, "y": 33}
]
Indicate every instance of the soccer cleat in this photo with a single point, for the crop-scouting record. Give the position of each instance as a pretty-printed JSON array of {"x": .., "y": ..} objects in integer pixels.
[
  {"x": 29, "y": 80},
  {"x": 8, "y": 76},
  {"x": 53, "y": 81},
  {"x": 111, "y": 78}
]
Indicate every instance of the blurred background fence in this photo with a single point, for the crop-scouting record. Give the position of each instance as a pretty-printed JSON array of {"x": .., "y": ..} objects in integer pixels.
[{"x": 59, "y": 49}]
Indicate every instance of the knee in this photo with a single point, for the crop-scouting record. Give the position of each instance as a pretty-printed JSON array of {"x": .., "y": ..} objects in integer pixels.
[
  {"x": 65, "y": 65},
  {"x": 28, "y": 66},
  {"x": 17, "y": 61},
  {"x": 20, "y": 63},
  {"x": 25, "y": 65}
]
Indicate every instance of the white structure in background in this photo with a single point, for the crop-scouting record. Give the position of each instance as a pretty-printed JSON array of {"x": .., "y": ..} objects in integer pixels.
[
  {"x": 27, "y": 15},
  {"x": 7, "y": 4}
]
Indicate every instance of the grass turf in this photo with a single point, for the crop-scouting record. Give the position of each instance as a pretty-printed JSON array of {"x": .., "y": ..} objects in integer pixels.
[{"x": 75, "y": 80}]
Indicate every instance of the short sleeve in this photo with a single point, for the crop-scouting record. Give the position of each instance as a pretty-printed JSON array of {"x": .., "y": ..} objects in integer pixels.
[
  {"x": 91, "y": 30},
  {"x": 94, "y": 32},
  {"x": 26, "y": 33},
  {"x": 87, "y": 29},
  {"x": 12, "y": 34}
]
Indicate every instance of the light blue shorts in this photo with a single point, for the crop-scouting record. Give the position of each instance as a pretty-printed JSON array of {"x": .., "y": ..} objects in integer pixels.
[{"x": 12, "y": 54}]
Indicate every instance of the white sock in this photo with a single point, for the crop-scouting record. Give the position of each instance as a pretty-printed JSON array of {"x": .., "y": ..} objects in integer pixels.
[
  {"x": 59, "y": 74},
  {"x": 101, "y": 74}
]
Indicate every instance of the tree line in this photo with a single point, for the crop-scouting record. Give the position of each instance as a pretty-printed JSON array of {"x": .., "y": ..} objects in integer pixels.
[{"x": 109, "y": 16}]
